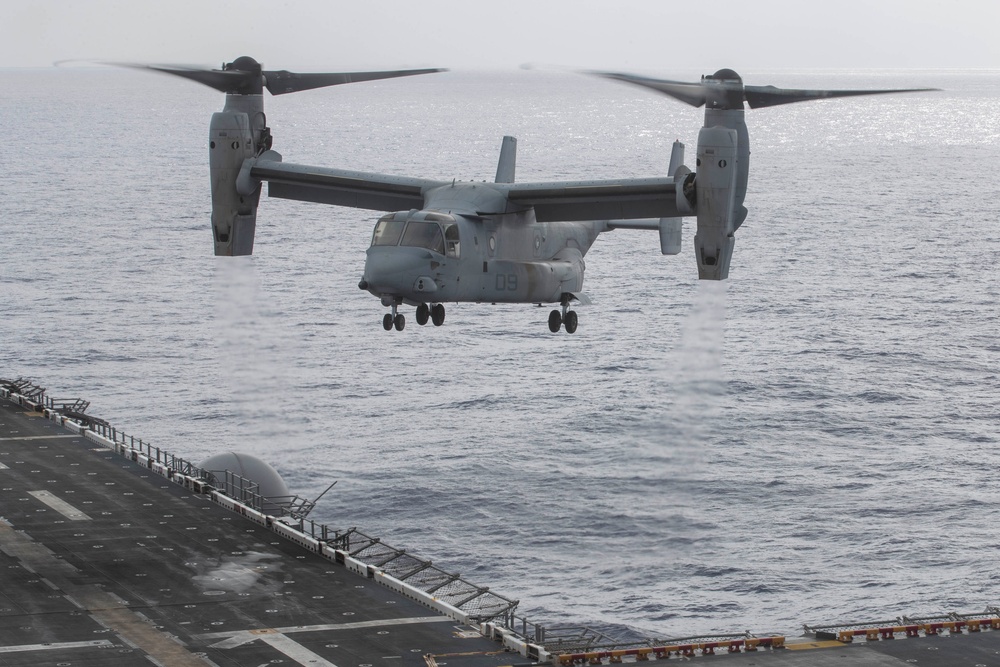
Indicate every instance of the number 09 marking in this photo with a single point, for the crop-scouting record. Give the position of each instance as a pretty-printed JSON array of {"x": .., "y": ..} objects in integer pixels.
[{"x": 507, "y": 282}]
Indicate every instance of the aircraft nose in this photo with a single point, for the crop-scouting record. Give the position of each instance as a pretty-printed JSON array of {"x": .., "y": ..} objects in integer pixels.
[{"x": 392, "y": 270}]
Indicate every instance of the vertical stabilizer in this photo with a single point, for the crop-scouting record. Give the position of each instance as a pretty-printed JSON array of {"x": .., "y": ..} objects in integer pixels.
[
  {"x": 508, "y": 160},
  {"x": 676, "y": 158},
  {"x": 670, "y": 228}
]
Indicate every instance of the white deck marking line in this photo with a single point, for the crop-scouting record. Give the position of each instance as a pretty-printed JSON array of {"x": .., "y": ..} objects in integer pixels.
[
  {"x": 42, "y": 437},
  {"x": 240, "y": 637},
  {"x": 366, "y": 624},
  {"x": 97, "y": 643},
  {"x": 3, "y": 467},
  {"x": 60, "y": 506},
  {"x": 295, "y": 650}
]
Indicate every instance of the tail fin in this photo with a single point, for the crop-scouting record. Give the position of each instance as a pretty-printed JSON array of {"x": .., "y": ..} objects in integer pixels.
[
  {"x": 676, "y": 158},
  {"x": 508, "y": 160},
  {"x": 670, "y": 228}
]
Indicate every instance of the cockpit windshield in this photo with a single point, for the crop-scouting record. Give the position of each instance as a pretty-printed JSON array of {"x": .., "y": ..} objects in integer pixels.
[
  {"x": 424, "y": 235},
  {"x": 437, "y": 232},
  {"x": 388, "y": 231}
]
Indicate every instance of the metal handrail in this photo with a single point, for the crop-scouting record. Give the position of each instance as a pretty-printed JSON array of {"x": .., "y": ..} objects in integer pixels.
[
  {"x": 482, "y": 605},
  {"x": 479, "y": 603}
]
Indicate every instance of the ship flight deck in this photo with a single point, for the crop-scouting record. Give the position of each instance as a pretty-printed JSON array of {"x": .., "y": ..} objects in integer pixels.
[{"x": 104, "y": 560}]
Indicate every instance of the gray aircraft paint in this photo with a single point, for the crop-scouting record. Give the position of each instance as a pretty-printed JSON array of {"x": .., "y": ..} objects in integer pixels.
[{"x": 520, "y": 242}]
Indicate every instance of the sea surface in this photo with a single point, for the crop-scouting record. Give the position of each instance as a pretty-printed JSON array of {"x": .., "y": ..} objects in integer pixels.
[{"x": 814, "y": 440}]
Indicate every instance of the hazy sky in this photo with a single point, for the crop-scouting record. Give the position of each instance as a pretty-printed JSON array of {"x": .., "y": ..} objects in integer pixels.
[{"x": 648, "y": 35}]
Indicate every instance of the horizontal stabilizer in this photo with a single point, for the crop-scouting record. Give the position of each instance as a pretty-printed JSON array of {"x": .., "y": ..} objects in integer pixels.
[{"x": 669, "y": 229}]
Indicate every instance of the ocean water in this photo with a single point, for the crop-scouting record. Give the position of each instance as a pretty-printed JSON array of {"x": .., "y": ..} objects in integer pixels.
[{"x": 814, "y": 440}]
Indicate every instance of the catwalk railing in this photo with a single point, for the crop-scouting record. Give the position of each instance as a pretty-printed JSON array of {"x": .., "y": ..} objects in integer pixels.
[
  {"x": 495, "y": 613},
  {"x": 478, "y": 602}
]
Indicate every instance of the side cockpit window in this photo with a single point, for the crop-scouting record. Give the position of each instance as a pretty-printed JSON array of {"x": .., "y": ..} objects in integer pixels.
[
  {"x": 388, "y": 231},
  {"x": 424, "y": 235},
  {"x": 451, "y": 241}
]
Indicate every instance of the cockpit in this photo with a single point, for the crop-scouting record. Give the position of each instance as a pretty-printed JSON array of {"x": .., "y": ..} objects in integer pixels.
[{"x": 437, "y": 232}]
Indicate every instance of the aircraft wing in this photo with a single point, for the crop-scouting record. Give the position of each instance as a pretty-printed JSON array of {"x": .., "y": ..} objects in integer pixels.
[
  {"x": 357, "y": 189},
  {"x": 622, "y": 199},
  {"x": 619, "y": 199}
]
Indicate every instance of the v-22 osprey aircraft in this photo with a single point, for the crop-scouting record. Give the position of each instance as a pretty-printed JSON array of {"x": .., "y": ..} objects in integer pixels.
[{"x": 500, "y": 242}]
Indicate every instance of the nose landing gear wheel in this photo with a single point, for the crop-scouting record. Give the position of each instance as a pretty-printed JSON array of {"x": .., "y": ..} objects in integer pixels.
[
  {"x": 437, "y": 314},
  {"x": 555, "y": 321},
  {"x": 423, "y": 313},
  {"x": 393, "y": 318},
  {"x": 571, "y": 321}
]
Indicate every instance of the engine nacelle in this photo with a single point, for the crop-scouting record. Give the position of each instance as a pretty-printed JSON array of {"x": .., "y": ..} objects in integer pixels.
[
  {"x": 716, "y": 186},
  {"x": 234, "y": 216}
]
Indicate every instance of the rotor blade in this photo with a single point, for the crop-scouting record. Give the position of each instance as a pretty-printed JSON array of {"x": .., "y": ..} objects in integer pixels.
[
  {"x": 689, "y": 93},
  {"x": 769, "y": 96},
  {"x": 725, "y": 89},
  {"x": 279, "y": 82},
  {"x": 225, "y": 81}
]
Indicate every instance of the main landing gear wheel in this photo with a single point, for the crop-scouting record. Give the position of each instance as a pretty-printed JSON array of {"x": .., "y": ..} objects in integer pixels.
[
  {"x": 437, "y": 314},
  {"x": 555, "y": 321},
  {"x": 423, "y": 314},
  {"x": 564, "y": 317},
  {"x": 570, "y": 322}
]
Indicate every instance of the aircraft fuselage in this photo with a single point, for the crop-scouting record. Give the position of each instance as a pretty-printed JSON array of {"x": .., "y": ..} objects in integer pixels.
[{"x": 449, "y": 252}]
